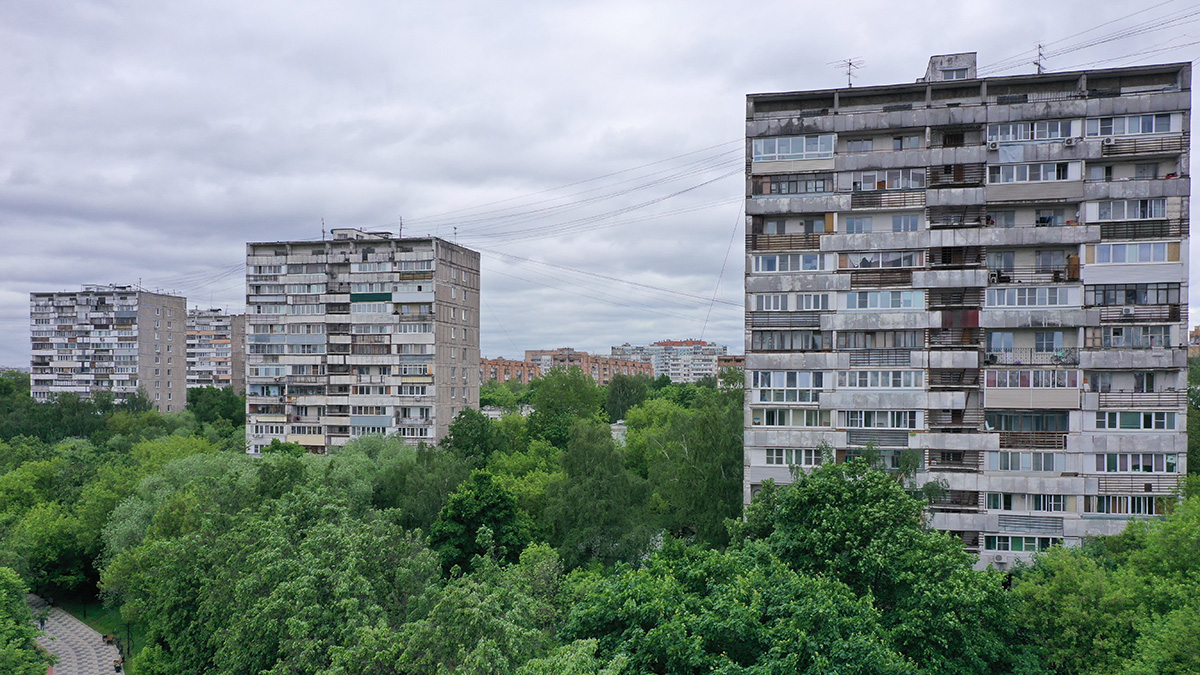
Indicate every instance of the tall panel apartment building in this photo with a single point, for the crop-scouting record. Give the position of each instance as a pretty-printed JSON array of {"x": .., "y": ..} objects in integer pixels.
[
  {"x": 362, "y": 334},
  {"x": 680, "y": 360},
  {"x": 990, "y": 274},
  {"x": 216, "y": 345},
  {"x": 109, "y": 338}
]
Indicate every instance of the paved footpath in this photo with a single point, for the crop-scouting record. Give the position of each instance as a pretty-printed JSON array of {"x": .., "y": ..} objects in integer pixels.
[{"x": 80, "y": 650}]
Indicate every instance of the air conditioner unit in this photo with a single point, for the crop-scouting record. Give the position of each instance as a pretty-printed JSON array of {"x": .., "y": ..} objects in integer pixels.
[
  {"x": 998, "y": 557},
  {"x": 993, "y": 145},
  {"x": 1109, "y": 140},
  {"x": 1070, "y": 141},
  {"x": 1126, "y": 311}
]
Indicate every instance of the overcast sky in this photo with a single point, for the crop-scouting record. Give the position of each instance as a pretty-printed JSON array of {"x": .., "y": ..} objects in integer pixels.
[{"x": 577, "y": 145}]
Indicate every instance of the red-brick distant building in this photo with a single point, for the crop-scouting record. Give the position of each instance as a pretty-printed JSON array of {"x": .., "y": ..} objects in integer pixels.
[
  {"x": 601, "y": 368},
  {"x": 503, "y": 370}
]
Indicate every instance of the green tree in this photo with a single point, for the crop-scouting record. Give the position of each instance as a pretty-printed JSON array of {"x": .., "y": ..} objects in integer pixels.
[
  {"x": 560, "y": 397},
  {"x": 480, "y": 503},
  {"x": 19, "y": 653},
  {"x": 471, "y": 436},
  {"x": 598, "y": 508},
  {"x": 624, "y": 392},
  {"x": 690, "y": 610},
  {"x": 210, "y": 404},
  {"x": 857, "y": 525}
]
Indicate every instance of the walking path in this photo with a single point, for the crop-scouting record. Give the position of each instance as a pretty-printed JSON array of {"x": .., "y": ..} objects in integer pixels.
[{"x": 80, "y": 650}]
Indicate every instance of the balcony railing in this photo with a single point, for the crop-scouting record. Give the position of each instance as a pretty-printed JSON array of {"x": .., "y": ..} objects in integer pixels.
[
  {"x": 898, "y": 199},
  {"x": 955, "y": 297},
  {"x": 1048, "y": 440},
  {"x": 783, "y": 319},
  {"x": 1027, "y": 356},
  {"x": 1137, "y": 146},
  {"x": 954, "y": 379},
  {"x": 1140, "y": 313},
  {"x": 876, "y": 278},
  {"x": 783, "y": 242},
  {"x": 881, "y": 357},
  {"x": 1138, "y": 483},
  {"x": 1143, "y": 399},
  {"x": 1144, "y": 229},
  {"x": 955, "y": 217},
  {"x": 890, "y": 438},
  {"x": 1035, "y": 275}
]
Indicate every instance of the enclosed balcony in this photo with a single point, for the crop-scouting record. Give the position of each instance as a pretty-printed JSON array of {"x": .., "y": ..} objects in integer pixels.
[{"x": 1030, "y": 356}]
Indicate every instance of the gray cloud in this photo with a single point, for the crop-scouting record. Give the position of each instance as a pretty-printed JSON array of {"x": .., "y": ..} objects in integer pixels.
[{"x": 144, "y": 141}]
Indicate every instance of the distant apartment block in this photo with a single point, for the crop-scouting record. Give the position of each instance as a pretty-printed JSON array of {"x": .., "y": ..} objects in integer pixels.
[
  {"x": 503, "y": 370},
  {"x": 109, "y": 338},
  {"x": 600, "y": 368},
  {"x": 216, "y": 347},
  {"x": 988, "y": 273},
  {"x": 365, "y": 333},
  {"x": 680, "y": 360}
]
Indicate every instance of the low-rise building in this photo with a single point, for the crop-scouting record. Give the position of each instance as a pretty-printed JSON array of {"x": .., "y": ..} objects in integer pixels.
[
  {"x": 600, "y": 368},
  {"x": 501, "y": 369}
]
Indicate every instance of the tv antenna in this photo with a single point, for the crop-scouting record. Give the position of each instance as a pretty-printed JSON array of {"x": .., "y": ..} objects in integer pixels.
[
  {"x": 1041, "y": 68},
  {"x": 851, "y": 65}
]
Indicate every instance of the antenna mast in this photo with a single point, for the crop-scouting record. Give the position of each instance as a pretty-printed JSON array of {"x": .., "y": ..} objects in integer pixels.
[
  {"x": 1041, "y": 68},
  {"x": 851, "y": 65}
]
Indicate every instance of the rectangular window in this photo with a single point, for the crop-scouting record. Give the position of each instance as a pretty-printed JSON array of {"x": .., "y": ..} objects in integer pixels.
[
  {"x": 884, "y": 339},
  {"x": 885, "y": 300},
  {"x": 905, "y": 223},
  {"x": 880, "y": 259},
  {"x": 771, "y": 303},
  {"x": 793, "y": 147},
  {"x": 1141, "y": 252},
  {"x": 795, "y": 262},
  {"x": 1159, "y": 123},
  {"x": 1028, "y": 173},
  {"x": 1025, "y": 461},
  {"x": 890, "y": 179},
  {"x": 791, "y": 184},
  {"x": 1133, "y": 421},
  {"x": 1132, "y": 209},
  {"x": 786, "y": 417},
  {"x": 880, "y": 379},
  {"x": 1027, "y": 297},
  {"x": 859, "y": 146},
  {"x": 791, "y": 340},
  {"x": 787, "y": 386},
  {"x": 860, "y": 225}
]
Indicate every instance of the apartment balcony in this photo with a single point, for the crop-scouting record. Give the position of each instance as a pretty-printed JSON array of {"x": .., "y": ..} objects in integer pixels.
[
  {"x": 885, "y": 438},
  {"x": 967, "y": 378},
  {"x": 957, "y": 501},
  {"x": 957, "y": 257},
  {"x": 1165, "y": 228},
  {"x": 1030, "y": 524},
  {"x": 955, "y": 338},
  {"x": 1028, "y": 356},
  {"x": 972, "y": 541},
  {"x": 956, "y": 217},
  {"x": 1033, "y": 440},
  {"x": 940, "y": 420},
  {"x": 955, "y": 175},
  {"x": 1036, "y": 398},
  {"x": 306, "y": 379},
  {"x": 955, "y": 298},
  {"x": 1164, "y": 145},
  {"x": 895, "y": 199},
  {"x": 880, "y": 278},
  {"x": 1142, "y": 399},
  {"x": 1035, "y": 275},
  {"x": 1144, "y": 313},
  {"x": 954, "y": 461},
  {"x": 783, "y": 242}
]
